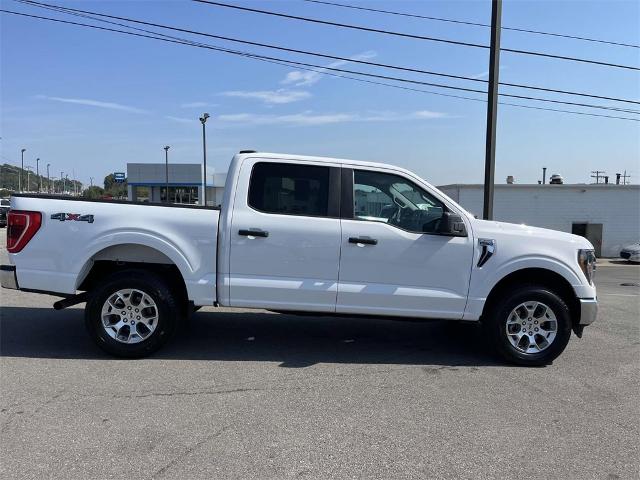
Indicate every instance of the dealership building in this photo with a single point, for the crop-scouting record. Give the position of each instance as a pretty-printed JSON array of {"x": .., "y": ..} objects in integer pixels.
[
  {"x": 147, "y": 182},
  {"x": 606, "y": 214}
]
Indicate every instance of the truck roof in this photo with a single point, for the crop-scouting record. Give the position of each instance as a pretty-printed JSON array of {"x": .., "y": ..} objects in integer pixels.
[{"x": 343, "y": 161}]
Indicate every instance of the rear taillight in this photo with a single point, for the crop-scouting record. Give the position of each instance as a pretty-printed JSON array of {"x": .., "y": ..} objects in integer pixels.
[{"x": 21, "y": 227}]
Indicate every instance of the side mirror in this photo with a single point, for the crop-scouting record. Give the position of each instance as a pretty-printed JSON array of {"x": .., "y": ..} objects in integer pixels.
[{"x": 452, "y": 224}]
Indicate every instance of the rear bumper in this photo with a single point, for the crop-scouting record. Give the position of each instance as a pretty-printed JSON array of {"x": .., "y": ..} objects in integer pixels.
[
  {"x": 8, "y": 277},
  {"x": 588, "y": 310}
]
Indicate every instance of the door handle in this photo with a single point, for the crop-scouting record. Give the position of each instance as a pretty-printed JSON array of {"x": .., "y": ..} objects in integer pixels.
[
  {"x": 253, "y": 233},
  {"x": 363, "y": 240}
]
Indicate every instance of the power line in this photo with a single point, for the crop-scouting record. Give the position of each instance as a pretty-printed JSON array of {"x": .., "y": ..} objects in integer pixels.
[
  {"x": 476, "y": 24},
  {"x": 408, "y": 35},
  {"x": 322, "y": 55},
  {"x": 415, "y": 82},
  {"x": 319, "y": 69},
  {"x": 397, "y": 79},
  {"x": 296, "y": 63}
]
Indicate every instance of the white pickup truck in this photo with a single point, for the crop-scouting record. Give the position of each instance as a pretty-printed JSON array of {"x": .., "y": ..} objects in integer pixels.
[{"x": 303, "y": 234}]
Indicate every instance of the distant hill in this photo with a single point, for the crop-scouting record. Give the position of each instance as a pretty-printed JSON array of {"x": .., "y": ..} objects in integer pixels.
[{"x": 9, "y": 180}]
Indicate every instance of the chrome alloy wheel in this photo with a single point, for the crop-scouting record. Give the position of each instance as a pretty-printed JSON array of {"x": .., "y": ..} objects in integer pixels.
[
  {"x": 531, "y": 327},
  {"x": 129, "y": 315}
]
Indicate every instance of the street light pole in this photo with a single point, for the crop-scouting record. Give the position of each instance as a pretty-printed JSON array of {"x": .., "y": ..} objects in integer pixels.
[
  {"x": 38, "y": 174},
  {"x": 62, "y": 180},
  {"x": 48, "y": 179},
  {"x": 203, "y": 120},
  {"x": 166, "y": 172},
  {"x": 28, "y": 178},
  {"x": 21, "y": 169},
  {"x": 492, "y": 109}
]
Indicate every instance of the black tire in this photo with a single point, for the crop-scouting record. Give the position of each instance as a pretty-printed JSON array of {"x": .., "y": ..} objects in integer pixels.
[
  {"x": 495, "y": 325},
  {"x": 168, "y": 313}
]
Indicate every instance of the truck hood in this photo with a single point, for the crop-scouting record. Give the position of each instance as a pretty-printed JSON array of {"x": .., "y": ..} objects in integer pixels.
[{"x": 493, "y": 229}]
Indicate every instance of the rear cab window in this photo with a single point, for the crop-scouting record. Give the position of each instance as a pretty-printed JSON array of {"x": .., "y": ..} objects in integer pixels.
[{"x": 290, "y": 189}]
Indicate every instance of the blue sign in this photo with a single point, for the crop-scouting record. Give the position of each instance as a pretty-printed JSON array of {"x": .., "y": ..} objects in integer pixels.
[{"x": 119, "y": 177}]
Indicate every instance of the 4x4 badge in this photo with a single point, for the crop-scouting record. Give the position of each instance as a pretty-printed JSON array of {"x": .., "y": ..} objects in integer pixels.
[{"x": 72, "y": 216}]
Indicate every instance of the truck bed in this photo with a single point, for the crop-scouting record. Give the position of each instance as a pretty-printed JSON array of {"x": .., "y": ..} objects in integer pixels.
[{"x": 75, "y": 233}]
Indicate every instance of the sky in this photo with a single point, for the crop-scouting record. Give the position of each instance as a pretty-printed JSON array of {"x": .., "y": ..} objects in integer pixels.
[{"x": 88, "y": 101}]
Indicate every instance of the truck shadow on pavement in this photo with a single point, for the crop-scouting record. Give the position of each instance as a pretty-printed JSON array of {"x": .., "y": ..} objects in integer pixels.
[{"x": 293, "y": 341}]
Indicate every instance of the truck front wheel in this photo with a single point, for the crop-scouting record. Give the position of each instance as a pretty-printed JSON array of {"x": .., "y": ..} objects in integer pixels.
[
  {"x": 529, "y": 325},
  {"x": 131, "y": 314}
]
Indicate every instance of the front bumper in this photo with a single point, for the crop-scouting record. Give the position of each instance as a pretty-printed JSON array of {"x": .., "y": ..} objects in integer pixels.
[
  {"x": 8, "y": 277},
  {"x": 588, "y": 310}
]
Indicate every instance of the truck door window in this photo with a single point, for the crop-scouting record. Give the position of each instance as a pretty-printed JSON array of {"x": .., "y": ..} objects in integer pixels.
[
  {"x": 392, "y": 199},
  {"x": 289, "y": 189}
]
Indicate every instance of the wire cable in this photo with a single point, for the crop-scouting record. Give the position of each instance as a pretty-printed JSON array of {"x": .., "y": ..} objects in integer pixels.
[
  {"x": 322, "y": 55},
  {"x": 476, "y": 24},
  {"x": 320, "y": 69},
  {"x": 404, "y": 80},
  {"x": 417, "y": 82},
  {"x": 408, "y": 35}
]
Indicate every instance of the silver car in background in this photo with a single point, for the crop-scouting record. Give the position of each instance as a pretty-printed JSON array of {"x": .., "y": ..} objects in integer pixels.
[{"x": 631, "y": 252}]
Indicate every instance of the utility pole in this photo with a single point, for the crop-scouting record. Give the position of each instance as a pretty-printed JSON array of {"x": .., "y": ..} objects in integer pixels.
[
  {"x": 166, "y": 171},
  {"x": 492, "y": 109},
  {"x": 91, "y": 181},
  {"x": 38, "y": 181},
  {"x": 544, "y": 175},
  {"x": 597, "y": 174},
  {"x": 624, "y": 178},
  {"x": 48, "y": 179},
  {"x": 203, "y": 120},
  {"x": 21, "y": 170}
]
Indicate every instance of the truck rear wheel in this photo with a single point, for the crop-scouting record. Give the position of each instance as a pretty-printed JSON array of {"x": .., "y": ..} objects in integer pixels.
[
  {"x": 530, "y": 325},
  {"x": 132, "y": 314}
]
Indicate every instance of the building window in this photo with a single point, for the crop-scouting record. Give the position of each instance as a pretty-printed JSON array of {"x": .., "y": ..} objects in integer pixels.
[
  {"x": 289, "y": 189},
  {"x": 181, "y": 195}
]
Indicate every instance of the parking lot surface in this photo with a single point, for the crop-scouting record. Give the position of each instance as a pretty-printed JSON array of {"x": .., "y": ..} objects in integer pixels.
[{"x": 250, "y": 394}]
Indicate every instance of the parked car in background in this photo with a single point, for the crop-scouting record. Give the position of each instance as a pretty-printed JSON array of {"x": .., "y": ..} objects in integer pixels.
[
  {"x": 631, "y": 252},
  {"x": 5, "y": 204},
  {"x": 556, "y": 179},
  {"x": 304, "y": 235}
]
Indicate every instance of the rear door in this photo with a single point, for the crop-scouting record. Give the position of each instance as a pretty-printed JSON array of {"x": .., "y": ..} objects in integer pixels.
[
  {"x": 393, "y": 261},
  {"x": 285, "y": 236}
]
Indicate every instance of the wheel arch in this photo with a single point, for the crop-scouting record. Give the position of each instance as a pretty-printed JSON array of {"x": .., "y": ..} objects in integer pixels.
[
  {"x": 126, "y": 256},
  {"x": 536, "y": 276}
]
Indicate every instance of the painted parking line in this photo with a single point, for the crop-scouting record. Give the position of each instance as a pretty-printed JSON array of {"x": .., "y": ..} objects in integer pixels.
[{"x": 619, "y": 294}]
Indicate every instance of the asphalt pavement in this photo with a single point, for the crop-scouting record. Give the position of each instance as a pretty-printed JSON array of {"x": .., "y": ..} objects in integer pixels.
[{"x": 248, "y": 394}]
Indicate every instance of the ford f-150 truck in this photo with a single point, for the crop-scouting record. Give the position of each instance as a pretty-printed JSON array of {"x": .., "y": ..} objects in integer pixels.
[{"x": 303, "y": 234}]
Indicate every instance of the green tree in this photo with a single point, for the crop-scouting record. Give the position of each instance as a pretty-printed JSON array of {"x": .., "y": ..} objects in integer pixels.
[
  {"x": 94, "y": 192},
  {"x": 114, "y": 189}
]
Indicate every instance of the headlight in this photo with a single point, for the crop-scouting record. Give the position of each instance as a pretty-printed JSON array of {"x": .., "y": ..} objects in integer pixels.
[{"x": 587, "y": 262}]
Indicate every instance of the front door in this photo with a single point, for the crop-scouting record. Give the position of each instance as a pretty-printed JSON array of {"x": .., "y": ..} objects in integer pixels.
[
  {"x": 393, "y": 261},
  {"x": 285, "y": 236}
]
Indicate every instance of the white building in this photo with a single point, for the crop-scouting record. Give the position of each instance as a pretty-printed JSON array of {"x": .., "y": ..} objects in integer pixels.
[
  {"x": 608, "y": 215},
  {"x": 147, "y": 183}
]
